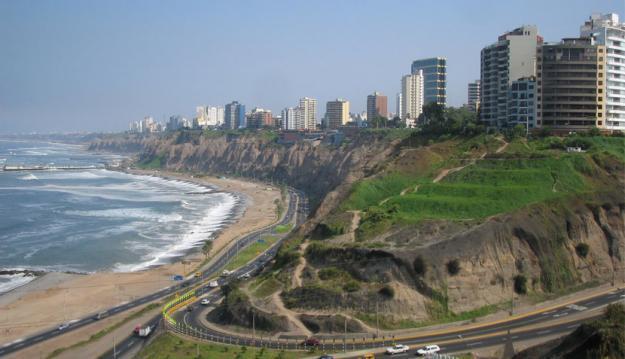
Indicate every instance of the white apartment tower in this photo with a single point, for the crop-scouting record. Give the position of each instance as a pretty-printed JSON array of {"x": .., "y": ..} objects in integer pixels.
[
  {"x": 399, "y": 106},
  {"x": 288, "y": 118},
  {"x": 609, "y": 32},
  {"x": 473, "y": 95},
  {"x": 412, "y": 96},
  {"x": 307, "y": 117}
]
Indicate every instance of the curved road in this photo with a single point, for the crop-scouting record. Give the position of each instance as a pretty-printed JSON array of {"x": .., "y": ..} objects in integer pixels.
[{"x": 297, "y": 210}]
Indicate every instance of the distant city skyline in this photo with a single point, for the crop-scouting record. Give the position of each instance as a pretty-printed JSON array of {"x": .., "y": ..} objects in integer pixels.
[{"x": 97, "y": 66}]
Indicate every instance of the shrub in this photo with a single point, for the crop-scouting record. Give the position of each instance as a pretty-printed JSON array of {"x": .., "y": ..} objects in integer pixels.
[
  {"x": 351, "y": 286},
  {"x": 520, "y": 284},
  {"x": 387, "y": 292},
  {"x": 329, "y": 273},
  {"x": 582, "y": 250},
  {"x": 420, "y": 267},
  {"x": 453, "y": 267}
]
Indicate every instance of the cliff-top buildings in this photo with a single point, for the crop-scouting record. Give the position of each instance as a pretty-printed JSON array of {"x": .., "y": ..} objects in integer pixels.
[
  {"x": 234, "y": 116},
  {"x": 337, "y": 113},
  {"x": 412, "y": 97},
  {"x": 607, "y": 31},
  {"x": 512, "y": 57},
  {"x": 434, "y": 71},
  {"x": 377, "y": 106}
]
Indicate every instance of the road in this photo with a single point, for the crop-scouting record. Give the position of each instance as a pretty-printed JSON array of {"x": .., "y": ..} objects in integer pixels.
[
  {"x": 297, "y": 209},
  {"x": 461, "y": 338}
]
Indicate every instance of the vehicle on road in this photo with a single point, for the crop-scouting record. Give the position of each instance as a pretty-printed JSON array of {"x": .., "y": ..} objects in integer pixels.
[
  {"x": 245, "y": 276},
  {"x": 397, "y": 349},
  {"x": 63, "y": 326},
  {"x": 190, "y": 308},
  {"x": 198, "y": 274},
  {"x": 428, "y": 350},
  {"x": 213, "y": 284},
  {"x": 143, "y": 331},
  {"x": 311, "y": 342},
  {"x": 101, "y": 315},
  {"x": 367, "y": 356},
  {"x": 205, "y": 301},
  {"x": 226, "y": 273},
  {"x": 326, "y": 356}
]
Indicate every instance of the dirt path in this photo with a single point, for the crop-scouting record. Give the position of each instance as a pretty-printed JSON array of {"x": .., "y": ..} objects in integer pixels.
[
  {"x": 502, "y": 147},
  {"x": 354, "y": 225},
  {"x": 296, "y": 280},
  {"x": 280, "y": 309}
]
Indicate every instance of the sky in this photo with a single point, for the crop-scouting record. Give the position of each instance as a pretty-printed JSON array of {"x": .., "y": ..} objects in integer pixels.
[{"x": 98, "y": 65}]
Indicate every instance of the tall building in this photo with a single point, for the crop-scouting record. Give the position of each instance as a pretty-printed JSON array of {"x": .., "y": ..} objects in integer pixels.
[
  {"x": 308, "y": 114},
  {"x": 399, "y": 106},
  {"x": 337, "y": 113},
  {"x": 512, "y": 57},
  {"x": 412, "y": 96},
  {"x": 260, "y": 118},
  {"x": 571, "y": 84},
  {"x": 434, "y": 79},
  {"x": 473, "y": 95},
  {"x": 209, "y": 116},
  {"x": 377, "y": 105},
  {"x": 606, "y": 30},
  {"x": 234, "y": 116},
  {"x": 288, "y": 118},
  {"x": 522, "y": 103}
]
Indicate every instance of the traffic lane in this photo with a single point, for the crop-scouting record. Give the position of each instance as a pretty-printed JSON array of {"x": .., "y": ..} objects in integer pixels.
[
  {"x": 131, "y": 341},
  {"x": 461, "y": 345}
]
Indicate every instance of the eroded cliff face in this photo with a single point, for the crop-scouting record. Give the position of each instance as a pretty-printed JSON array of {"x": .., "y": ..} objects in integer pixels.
[
  {"x": 325, "y": 172},
  {"x": 539, "y": 243}
]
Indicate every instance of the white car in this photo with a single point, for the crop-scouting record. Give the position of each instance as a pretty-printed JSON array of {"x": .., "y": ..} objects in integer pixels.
[
  {"x": 226, "y": 273},
  {"x": 205, "y": 301},
  {"x": 245, "y": 276},
  {"x": 429, "y": 349},
  {"x": 63, "y": 326},
  {"x": 213, "y": 284},
  {"x": 397, "y": 349}
]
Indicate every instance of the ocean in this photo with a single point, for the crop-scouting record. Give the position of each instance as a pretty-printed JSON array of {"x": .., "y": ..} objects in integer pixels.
[{"x": 96, "y": 219}]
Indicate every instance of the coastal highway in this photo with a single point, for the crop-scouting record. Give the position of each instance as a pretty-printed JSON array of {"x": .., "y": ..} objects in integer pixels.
[
  {"x": 461, "y": 338},
  {"x": 297, "y": 210}
]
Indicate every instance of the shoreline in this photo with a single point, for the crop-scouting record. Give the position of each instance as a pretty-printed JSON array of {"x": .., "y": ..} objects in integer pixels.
[{"x": 26, "y": 309}]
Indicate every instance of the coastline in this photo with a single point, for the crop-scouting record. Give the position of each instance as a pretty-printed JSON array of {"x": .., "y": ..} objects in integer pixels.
[{"x": 27, "y": 309}]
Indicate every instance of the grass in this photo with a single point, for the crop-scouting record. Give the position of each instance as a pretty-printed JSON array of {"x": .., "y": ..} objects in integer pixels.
[
  {"x": 284, "y": 228},
  {"x": 266, "y": 287},
  {"x": 106, "y": 330},
  {"x": 155, "y": 163},
  {"x": 171, "y": 347},
  {"x": 526, "y": 173},
  {"x": 250, "y": 252}
]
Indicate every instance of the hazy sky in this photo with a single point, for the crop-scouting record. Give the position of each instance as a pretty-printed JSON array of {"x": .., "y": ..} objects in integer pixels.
[{"x": 97, "y": 65}]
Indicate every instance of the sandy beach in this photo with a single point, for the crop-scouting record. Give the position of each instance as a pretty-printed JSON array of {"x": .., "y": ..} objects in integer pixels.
[{"x": 59, "y": 297}]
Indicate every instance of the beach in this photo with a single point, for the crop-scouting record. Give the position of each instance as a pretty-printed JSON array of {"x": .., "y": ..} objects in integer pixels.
[{"x": 59, "y": 297}]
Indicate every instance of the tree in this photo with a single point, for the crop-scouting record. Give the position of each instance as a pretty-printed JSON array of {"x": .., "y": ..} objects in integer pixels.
[
  {"x": 206, "y": 247},
  {"x": 397, "y": 122},
  {"x": 378, "y": 122}
]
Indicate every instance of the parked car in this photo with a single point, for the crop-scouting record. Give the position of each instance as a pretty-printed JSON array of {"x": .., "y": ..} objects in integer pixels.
[
  {"x": 428, "y": 349},
  {"x": 397, "y": 349},
  {"x": 311, "y": 342},
  {"x": 205, "y": 301},
  {"x": 63, "y": 326}
]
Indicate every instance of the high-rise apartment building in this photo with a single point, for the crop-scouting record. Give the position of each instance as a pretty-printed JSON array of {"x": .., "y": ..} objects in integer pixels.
[
  {"x": 434, "y": 79},
  {"x": 412, "y": 96},
  {"x": 606, "y": 30},
  {"x": 209, "y": 116},
  {"x": 259, "y": 118},
  {"x": 234, "y": 116},
  {"x": 571, "y": 84},
  {"x": 522, "y": 103},
  {"x": 473, "y": 96},
  {"x": 288, "y": 118},
  {"x": 307, "y": 118},
  {"x": 399, "y": 105},
  {"x": 377, "y": 105},
  {"x": 337, "y": 113},
  {"x": 512, "y": 57}
]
